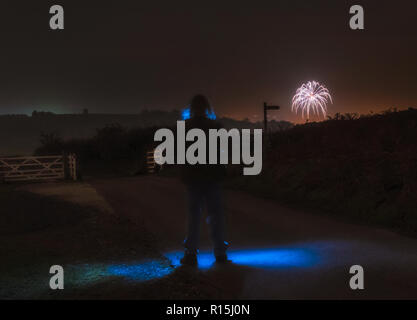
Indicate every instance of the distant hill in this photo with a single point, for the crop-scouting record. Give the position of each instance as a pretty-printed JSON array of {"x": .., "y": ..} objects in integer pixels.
[{"x": 20, "y": 134}]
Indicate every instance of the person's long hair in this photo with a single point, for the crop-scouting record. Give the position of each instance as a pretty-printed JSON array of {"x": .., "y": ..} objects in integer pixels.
[{"x": 200, "y": 106}]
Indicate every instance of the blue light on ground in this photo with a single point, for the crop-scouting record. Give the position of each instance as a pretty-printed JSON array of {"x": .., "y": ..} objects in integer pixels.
[
  {"x": 142, "y": 271},
  {"x": 272, "y": 258},
  {"x": 260, "y": 258}
]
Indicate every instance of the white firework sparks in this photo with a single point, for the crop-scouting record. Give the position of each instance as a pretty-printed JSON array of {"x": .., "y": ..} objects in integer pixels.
[{"x": 311, "y": 97}]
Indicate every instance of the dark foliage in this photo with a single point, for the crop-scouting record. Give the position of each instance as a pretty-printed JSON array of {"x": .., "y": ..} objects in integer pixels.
[
  {"x": 111, "y": 146},
  {"x": 361, "y": 167}
]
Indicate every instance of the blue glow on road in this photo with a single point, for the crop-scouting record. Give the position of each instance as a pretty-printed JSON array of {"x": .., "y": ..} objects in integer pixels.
[
  {"x": 137, "y": 271},
  {"x": 274, "y": 258},
  {"x": 271, "y": 258},
  {"x": 141, "y": 271},
  {"x": 145, "y": 270}
]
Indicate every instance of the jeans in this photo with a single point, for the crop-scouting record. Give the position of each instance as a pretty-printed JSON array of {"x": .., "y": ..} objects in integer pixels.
[{"x": 209, "y": 194}]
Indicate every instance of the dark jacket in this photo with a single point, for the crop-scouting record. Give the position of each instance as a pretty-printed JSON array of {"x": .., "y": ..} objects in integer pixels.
[{"x": 203, "y": 173}]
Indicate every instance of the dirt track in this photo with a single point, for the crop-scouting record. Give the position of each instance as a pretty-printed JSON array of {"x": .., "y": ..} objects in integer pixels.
[{"x": 280, "y": 253}]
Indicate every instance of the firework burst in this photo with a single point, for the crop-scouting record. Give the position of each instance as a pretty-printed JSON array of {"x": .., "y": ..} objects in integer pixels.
[{"x": 311, "y": 97}]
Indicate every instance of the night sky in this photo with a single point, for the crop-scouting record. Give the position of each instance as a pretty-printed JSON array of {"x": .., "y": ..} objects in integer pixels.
[{"x": 125, "y": 56}]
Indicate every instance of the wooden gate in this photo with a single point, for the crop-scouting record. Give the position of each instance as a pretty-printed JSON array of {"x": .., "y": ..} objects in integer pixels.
[
  {"x": 150, "y": 160},
  {"x": 36, "y": 168}
]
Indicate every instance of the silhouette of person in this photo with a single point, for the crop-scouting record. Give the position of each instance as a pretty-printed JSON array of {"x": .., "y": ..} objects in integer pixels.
[{"x": 203, "y": 184}]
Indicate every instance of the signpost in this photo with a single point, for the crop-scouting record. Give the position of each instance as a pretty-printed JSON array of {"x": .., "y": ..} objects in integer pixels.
[{"x": 266, "y": 108}]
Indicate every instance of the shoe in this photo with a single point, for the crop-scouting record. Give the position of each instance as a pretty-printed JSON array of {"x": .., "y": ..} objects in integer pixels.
[
  {"x": 222, "y": 259},
  {"x": 189, "y": 259}
]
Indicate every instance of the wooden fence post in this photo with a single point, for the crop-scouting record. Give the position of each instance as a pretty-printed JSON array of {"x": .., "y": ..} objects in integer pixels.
[
  {"x": 151, "y": 157},
  {"x": 72, "y": 163},
  {"x": 150, "y": 162}
]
